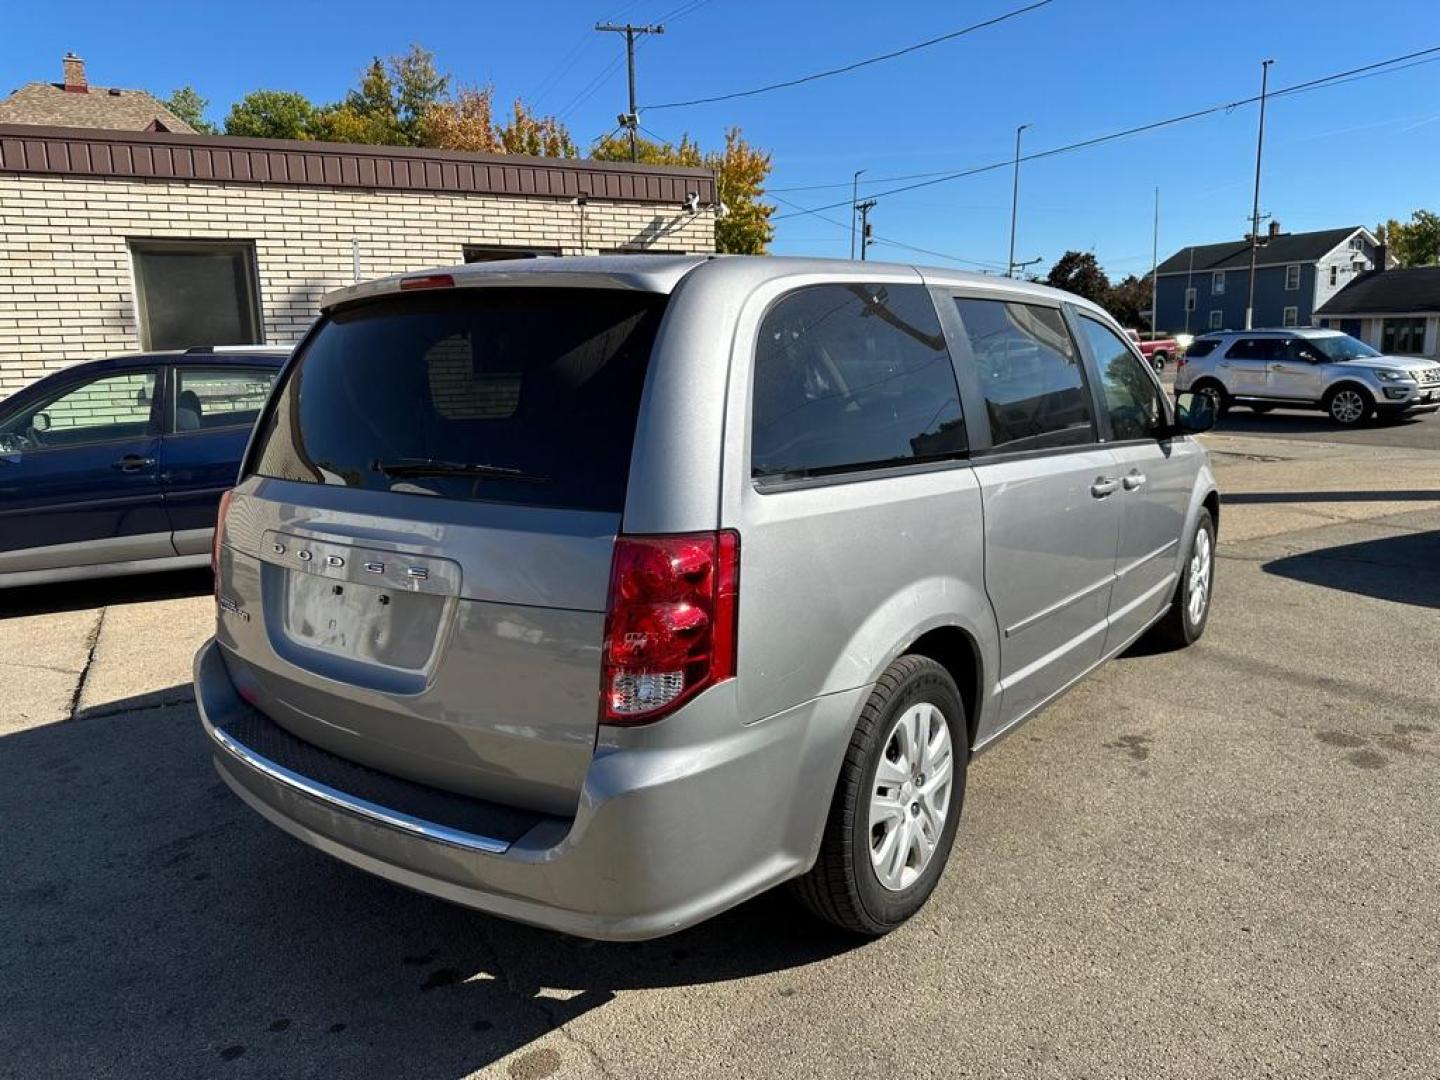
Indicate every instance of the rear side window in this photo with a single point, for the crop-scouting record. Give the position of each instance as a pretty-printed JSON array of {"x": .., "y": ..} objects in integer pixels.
[
  {"x": 505, "y": 395},
  {"x": 207, "y": 398},
  {"x": 1201, "y": 348},
  {"x": 1030, "y": 373},
  {"x": 850, "y": 377}
]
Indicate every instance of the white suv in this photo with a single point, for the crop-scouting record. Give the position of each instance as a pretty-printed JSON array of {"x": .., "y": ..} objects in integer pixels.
[{"x": 1308, "y": 369}]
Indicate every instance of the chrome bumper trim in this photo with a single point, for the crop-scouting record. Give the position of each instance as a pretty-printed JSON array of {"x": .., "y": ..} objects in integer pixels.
[{"x": 350, "y": 804}]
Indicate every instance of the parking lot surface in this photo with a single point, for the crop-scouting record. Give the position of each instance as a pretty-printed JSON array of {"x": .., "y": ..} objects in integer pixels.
[{"x": 1221, "y": 862}]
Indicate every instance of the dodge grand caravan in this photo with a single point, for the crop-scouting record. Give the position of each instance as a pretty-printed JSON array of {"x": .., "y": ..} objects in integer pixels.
[{"x": 604, "y": 593}]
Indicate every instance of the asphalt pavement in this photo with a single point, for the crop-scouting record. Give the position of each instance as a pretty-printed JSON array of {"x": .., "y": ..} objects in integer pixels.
[{"x": 1222, "y": 862}]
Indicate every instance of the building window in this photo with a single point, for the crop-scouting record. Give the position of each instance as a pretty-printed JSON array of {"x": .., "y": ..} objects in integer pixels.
[
  {"x": 1402, "y": 337},
  {"x": 1357, "y": 243},
  {"x": 196, "y": 292},
  {"x": 1217, "y": 320},
  {"x": 474, "y": 253},
  {"x": 1291, "y": 317},
  {"x": 1189, "y": 299},
  {"x": 1334, "y": 276},
  {"x": 1217, "y": 283},
  {"x": 1292, "y": 277}
]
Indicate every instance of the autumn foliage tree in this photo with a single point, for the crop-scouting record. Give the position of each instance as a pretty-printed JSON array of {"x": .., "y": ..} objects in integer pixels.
[{"x": 744, "y": 227}]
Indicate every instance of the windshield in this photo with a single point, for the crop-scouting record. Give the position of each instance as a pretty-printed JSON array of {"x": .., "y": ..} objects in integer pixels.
[
  {"x": 1341, "y": 347},
  {"x": 496, "y": 394}
]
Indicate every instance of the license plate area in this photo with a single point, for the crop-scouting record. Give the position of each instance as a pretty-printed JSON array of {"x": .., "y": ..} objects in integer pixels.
[{"x": 363, "y": 608}]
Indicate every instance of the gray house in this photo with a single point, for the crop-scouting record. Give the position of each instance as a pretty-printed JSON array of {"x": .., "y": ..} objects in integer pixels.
[
  {"x": 1206, "y": 287},
  {"x": 1396, "y": 311}
]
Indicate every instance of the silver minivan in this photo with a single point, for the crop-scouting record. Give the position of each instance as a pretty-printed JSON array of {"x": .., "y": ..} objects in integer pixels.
[{"x": 604, "y": 593}]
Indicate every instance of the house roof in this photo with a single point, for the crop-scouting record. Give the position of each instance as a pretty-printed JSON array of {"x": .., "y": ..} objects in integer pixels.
[
  {"x": 94, "y": 107},
  {"x": 1411, "y": 289},
  {"x": 1235, "y": 254}
]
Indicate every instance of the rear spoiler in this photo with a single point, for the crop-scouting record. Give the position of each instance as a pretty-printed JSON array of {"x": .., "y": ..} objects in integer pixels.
[{"x": 645, "y": 273}]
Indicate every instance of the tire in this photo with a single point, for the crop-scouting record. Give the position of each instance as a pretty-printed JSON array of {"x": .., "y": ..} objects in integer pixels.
[
  {"x": 1215, "y": 389},
  {"x": 1261, "y": 409},
  {"x": 1157, "y": 361},
  {"x": 845, "y": 887},
  {"x": 1184, "y": 622},
  {"x": 1349, "y": 405}
]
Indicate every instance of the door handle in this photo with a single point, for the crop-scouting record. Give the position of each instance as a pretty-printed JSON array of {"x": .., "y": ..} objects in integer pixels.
[
  {"x": 1134, "y": 480},
  {"x": 1103, "y": 486},
  {"x": 133, "y": 463}
]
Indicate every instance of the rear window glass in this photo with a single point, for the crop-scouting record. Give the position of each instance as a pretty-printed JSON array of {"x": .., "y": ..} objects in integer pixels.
[
  {"x": 506, "y": 395},
  {"x": 850, "y": 377},
  {"x": 1198, "y": 349}
]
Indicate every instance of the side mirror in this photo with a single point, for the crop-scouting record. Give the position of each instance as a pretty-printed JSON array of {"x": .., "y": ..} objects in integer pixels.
[
  {"x": 40, "y": 422},
  {"x": 1194, "y": 412}
]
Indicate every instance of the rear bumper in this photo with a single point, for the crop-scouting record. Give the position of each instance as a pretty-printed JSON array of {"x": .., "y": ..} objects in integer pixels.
[{"x": 672, "y": 825}]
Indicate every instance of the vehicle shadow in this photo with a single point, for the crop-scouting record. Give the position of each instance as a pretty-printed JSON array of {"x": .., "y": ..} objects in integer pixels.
[
  {"x": 156, "y": 926},
  {"x": 1403, "y": 568},
  {"x": 1241, "y": 421},
  {"x": 102, "y": 592}
]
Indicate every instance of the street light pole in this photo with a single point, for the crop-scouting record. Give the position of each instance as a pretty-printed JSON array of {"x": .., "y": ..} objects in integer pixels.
[
  {"x": 1154, "y": 266},
  {"x": 1014, "y": 202},
  {"x": 1255, "y": 213},
  {"x": 854, "y": 201}
]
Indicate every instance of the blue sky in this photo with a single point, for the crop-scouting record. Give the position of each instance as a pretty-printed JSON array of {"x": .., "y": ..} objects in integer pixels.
[{"x": 1353, "y": 154}]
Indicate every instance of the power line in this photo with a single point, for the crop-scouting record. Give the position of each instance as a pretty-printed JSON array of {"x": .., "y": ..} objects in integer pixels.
[
  {"x": 1303, "y": 87},
  {"x": 876, "y": 238},
  {"x": 857, "y": 64}
]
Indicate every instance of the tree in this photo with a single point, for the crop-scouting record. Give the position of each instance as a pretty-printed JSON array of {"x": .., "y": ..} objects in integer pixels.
[
  {"x": 1128, "y": 300},
  {"x": 271, "y": 114},
  {"x": 1079, "y": 273},
  {"x": 539, "y": 136},
  {"x": 1415, "y": 242},
  {"x": 188, "y": 105},
  {"x": 740, "y": 172},
  {"x": 465, "y": 122},
  {"x": 369, "y": 114},
  {"x": 417, "y": 86}
]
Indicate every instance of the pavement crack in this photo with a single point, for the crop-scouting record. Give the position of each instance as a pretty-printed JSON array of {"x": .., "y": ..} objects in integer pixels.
[
  {"x": 38, "y": 667},
  {"x": 91, "y": 642},
  {"x": 541, "y": 1005}
]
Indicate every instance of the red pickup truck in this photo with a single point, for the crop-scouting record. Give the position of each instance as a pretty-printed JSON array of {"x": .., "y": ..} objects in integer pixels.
[{"x": 1158, "y": 351}]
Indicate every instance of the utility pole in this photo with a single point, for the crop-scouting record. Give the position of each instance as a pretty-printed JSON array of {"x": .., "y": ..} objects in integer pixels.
[
  {"x": 854, "y": 207},
  {"x": 631, "y": 119},
  {"x": 1154, "y": 266},
  {"x": 1015, "y": 202},
  {"x": 865, "y": 241},
  {"x": 1255, "y": 213}
]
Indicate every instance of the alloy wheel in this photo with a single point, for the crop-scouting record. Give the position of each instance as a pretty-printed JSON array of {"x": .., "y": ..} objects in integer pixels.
[
  {"x": 910, "y": 799},
  {"x": 1199, "y": 584},
  {"x": 1347, "y": 406}
]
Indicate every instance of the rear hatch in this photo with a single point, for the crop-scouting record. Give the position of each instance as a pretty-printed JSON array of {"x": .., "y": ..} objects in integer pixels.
[{"x": 414, "y": 567}]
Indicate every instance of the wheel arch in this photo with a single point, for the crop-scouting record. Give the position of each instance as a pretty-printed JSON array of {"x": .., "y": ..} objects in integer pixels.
[{"x": 956, "y": 650}]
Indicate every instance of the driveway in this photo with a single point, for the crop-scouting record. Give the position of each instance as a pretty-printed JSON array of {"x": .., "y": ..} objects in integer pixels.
[{"x": 1222, "y": 862}]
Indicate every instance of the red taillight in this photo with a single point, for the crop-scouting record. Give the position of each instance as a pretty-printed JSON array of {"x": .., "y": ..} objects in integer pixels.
[
  {"x": 427, "y": 281},
  {"x": 219, "y": 537},
  {"x": 670, "y": 626}
]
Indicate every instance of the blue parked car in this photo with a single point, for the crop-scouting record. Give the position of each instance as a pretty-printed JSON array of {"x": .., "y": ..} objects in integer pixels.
[{"x": 116, "y": 466}]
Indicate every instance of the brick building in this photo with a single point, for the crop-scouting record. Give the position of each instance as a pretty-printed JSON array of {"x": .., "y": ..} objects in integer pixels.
[{"x": 118, "y": 241}]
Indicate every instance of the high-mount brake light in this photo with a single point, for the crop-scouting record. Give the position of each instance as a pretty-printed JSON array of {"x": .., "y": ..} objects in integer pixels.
[
  {"x": 427, "y": 281},
  {"x": 219, "y": 537},
  {"x": 670, "y": 624}
]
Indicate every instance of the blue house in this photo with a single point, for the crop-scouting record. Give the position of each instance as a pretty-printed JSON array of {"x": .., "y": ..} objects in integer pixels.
[{"x": 1207, "y": 286}]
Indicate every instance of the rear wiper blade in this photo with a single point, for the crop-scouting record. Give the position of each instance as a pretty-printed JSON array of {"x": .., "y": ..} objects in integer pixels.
[{"x": 402, "y": 467}]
